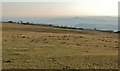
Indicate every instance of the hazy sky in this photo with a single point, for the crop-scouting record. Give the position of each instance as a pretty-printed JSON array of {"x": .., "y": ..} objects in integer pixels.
[{"x": 47, "y": 8}]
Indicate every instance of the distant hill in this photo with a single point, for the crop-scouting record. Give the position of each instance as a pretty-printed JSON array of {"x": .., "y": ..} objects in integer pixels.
[
  {"x": 99, "y": 22},
  {"x": 97, "y": 26}
]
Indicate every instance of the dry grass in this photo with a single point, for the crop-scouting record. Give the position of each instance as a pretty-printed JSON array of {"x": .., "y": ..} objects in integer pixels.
[{"x": 38, "y": 47}]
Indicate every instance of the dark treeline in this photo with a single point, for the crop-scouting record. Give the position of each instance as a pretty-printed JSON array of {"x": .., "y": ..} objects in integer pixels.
[
  {"x": 56, "y": 26},
  {"x": 41, "y": 24}
]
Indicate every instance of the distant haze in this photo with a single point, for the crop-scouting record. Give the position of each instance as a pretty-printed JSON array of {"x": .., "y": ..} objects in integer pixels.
[
  {"x": 100, "y": 14},
  {"x": 102, "y": 23}
]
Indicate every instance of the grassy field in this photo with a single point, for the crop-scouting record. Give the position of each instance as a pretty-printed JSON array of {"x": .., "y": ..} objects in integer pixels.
[{"x": 40, "y": 47}]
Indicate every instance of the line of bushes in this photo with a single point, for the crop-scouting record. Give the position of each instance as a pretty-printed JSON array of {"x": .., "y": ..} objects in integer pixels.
[
  {"x": 47, "y": 25},
  {"x": 56, "y": 26}
]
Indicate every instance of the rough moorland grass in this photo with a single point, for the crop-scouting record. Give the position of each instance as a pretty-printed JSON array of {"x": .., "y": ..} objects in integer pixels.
[{"x": 38, "y": 47}]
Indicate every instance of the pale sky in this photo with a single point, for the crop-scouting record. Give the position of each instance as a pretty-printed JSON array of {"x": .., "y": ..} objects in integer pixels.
[{"x": 48, "y": 8}]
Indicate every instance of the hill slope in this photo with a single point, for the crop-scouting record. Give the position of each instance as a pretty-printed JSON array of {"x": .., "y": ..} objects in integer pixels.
[{"x": 39, "y": 47}]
